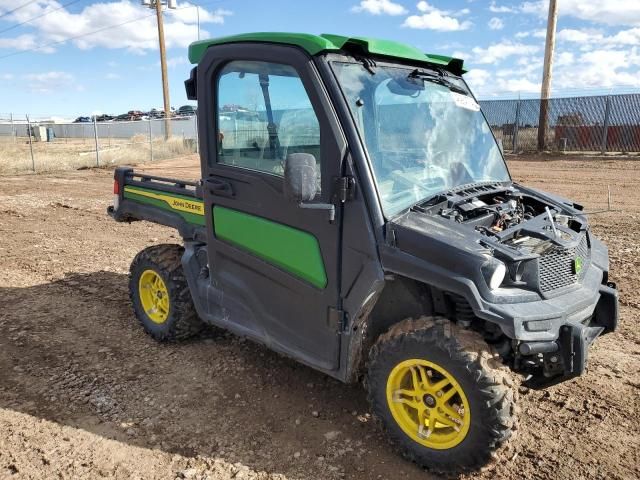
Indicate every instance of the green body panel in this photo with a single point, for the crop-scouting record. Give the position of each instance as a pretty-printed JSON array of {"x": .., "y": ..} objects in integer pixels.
[
  {"x": 293, "y": 250},
  {"x": 315, "y": 44},
  {"x": 194, "y": 218}
]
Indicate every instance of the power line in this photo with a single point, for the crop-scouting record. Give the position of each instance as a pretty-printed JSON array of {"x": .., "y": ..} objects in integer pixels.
[
  {"x": 40, "y": 16},
  {"x": 39, "y": 47},
  {"x": 17, "y": 8}
]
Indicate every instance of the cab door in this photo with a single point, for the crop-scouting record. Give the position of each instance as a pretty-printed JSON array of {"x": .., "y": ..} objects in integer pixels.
[{"x": 274, "y": 266}]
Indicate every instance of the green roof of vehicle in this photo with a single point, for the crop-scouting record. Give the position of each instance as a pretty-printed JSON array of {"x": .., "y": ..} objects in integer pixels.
[{"x": 315, "y": 44}]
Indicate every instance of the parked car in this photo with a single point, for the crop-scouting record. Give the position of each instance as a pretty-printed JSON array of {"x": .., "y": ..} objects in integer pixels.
[
  {"x": 104, "y": 118},
  {"x": 187, "y": 111},
  {"x": 82, "y": 120},
  {"x": 135, "y": 114}
]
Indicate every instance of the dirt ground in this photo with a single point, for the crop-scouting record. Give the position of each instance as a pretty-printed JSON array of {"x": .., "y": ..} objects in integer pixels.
[{"x": 84, "y": 393}]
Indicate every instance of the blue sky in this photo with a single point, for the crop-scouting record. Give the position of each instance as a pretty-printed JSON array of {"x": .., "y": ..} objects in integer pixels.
[{"x": 52, "y": 64}]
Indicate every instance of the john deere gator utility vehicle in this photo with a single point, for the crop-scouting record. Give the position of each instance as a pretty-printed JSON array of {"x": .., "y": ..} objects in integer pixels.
[{"x": 356, "y": 213}]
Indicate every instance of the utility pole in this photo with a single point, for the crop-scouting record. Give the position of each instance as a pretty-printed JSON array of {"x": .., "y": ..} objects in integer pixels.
[
  {"x": 157, "y": 4},
  {"x": 545, "y": 94}
]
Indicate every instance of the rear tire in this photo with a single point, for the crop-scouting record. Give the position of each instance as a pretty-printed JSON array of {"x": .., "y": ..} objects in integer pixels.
[
  {"x": 160, "y": 294},
  {"x": 413, "y": 371}
]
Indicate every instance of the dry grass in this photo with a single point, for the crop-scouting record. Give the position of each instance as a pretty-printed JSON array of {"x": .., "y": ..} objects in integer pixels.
[{"x": 71, "y": 154}]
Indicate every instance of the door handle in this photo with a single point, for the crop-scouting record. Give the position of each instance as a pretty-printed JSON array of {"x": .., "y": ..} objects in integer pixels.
[{"x": 219, "y": 187}]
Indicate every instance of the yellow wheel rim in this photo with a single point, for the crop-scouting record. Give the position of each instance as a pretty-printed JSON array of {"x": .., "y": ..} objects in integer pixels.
[
  {"x": 428, "y": 404},
  {"x": 154, "y": 296}
]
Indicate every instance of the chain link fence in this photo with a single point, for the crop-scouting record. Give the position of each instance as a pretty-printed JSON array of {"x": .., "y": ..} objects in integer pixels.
[
  {"x": 41, "y": 146},
  {"x": 594, "y": 124}
]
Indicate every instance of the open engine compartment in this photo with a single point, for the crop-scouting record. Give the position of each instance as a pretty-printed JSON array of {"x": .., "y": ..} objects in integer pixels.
[{"x": 490, "y": 209}]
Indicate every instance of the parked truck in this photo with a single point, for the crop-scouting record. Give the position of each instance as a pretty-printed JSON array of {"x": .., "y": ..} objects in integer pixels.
[{"x": 378, "y": 237}]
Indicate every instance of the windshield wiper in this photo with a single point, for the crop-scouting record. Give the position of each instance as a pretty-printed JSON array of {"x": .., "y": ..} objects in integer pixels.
[
  {"x": 438, "y": 78},
  {"x": 368, "y": 63},
  {"x": 428, "y": 201}
]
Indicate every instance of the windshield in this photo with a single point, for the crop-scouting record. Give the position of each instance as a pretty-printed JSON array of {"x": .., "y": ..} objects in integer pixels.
[{"x": 423, "y": 132}]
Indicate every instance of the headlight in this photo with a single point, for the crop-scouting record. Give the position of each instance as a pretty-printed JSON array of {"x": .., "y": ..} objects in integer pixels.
[{"x": 494, "y": 272}]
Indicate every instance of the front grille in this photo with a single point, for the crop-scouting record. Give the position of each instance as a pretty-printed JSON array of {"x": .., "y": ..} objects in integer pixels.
[{"x": 557, "y": 267}]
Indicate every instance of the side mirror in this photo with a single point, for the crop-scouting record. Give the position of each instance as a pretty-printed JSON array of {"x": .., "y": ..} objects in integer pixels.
[{"x": 300, "y": 177}]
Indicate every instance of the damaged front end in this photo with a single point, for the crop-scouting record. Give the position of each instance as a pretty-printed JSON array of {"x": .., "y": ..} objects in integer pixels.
[{"x": 543, "y": 278}]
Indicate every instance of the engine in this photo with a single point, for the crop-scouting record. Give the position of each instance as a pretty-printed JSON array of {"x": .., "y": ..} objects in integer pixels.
[{"x": 490, "y": 212}]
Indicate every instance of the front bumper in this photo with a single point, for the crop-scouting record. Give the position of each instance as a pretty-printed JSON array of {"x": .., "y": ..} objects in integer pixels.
[{"x": 550, "y": 363}]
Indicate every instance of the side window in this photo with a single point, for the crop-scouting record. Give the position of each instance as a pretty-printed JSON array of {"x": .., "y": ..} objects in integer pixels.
[{"x": 264, "y": 114}]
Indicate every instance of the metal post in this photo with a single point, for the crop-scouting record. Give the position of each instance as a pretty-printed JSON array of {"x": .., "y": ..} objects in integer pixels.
[
  {"x": 150, "y": 141},
  {"x": 33, "y": 162},
  {"x": 515, "y": 127},
  {"x": 198, "y": 15},
  {"x": 605, "y": 128},
  {"x": 95, "y": 138},
  {"x": 13, "y": 129}
]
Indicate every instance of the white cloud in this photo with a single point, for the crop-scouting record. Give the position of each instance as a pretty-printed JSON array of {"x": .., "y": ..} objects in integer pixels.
[
  {"x": 577, "y": 36},
  {"x": 477, "y": 78},
  {"x": 563, "y": 59},
  {"x": 137, "y": 34},
  {"x": 496, "y": 24},
  {"x": 600, "y": 68},
  {"x": 112, "y": 76},
  {"x": 436, "y": 21},
  {"x": 425, "y": 7},
  {"x": 519, "y": 85},
  {"x": 608, "y": 12},
  {"x": 6, "y": 76},
  {"x": 508, "y": 84},
  {"x": 433, "y": 18},
  {"x": 176, "y": 61},
  {"x": 48, "y": 82},
  {"x": 595, "y": 38},
  {"x": 22, "y": 42},
  {"x": 501, "y": 8},
  {"x": 499, "y": 51},
  {"x": 541, "y": 33},
  {"x": 190, "y": 15},
  {"x": 604, "y": 67},
  {"x": 380, "y": 7}
]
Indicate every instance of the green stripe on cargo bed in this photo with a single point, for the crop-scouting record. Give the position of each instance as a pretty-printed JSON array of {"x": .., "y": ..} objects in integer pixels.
[
  {"x": 189, "y": 208},
  {"x": 293, "y": 250}
]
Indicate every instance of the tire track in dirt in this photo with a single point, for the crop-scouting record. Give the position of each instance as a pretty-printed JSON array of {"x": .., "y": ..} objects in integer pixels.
[{"x": 84, "y": 393}]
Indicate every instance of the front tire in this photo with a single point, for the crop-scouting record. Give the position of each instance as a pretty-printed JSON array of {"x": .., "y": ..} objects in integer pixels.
[
  {"x": 160, "y": 294},
  {"x": 443, "y": 396}
]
